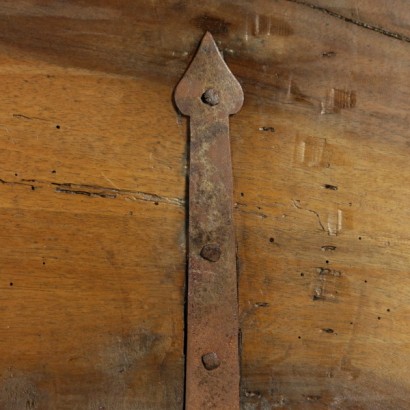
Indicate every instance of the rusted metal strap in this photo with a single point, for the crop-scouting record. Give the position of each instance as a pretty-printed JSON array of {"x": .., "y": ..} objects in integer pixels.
[{"x": 208, "y": 93}]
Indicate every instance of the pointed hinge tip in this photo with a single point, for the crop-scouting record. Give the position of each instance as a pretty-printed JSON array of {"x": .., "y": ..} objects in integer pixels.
[{"x": 208, "y": 83}]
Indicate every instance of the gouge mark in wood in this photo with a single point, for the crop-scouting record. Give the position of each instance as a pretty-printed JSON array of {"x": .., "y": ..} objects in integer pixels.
[{"x": 208, "y": 93}]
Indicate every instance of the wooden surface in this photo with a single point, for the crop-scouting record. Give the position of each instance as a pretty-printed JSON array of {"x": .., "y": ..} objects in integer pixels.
[{"x": 93, "y": 158}]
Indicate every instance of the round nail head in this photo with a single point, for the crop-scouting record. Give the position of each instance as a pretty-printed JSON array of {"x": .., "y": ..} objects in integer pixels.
[
  {"x": 210, "y": 97},
  {"x": 211, "y": 252},
  {"x": 211, "y": 361}
]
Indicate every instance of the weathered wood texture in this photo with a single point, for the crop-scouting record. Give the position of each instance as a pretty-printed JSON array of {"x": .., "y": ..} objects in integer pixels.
[{"x": 93, "y": 161}]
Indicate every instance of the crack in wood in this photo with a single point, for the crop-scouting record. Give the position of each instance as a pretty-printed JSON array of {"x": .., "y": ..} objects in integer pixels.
[
  {"x": 250, "y": 212},
  {"x": 26, "y": 117},
  {"x": 96, "y": 191},
  {"x": 380, "y": 30},
  {"x": 86, "y": 193},
  {"x": 104, "y": 192},
  {"x": 296, "y": 204}
]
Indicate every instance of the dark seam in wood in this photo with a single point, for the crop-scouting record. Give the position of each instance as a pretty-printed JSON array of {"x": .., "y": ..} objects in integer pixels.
[
  {"x": 381, "y": 30},
  {"x": 96, "y": 191}
]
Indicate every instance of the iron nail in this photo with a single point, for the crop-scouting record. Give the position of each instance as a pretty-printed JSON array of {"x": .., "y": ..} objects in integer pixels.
[
  {"x": 211, "y": 252},
  {"x": 211, "y": 361},
  {"x": 210, "y": 97}
]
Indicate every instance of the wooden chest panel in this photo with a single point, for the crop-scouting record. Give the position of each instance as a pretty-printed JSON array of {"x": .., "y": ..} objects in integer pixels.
[{"x": 93, "y": 160}]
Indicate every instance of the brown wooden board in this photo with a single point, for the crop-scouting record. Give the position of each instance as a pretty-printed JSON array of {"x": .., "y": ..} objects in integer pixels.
[{"x": 93, "y": 161}]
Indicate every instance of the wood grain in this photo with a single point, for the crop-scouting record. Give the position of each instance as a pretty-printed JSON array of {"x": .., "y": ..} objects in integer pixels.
[{"x": 93, "y": 160}]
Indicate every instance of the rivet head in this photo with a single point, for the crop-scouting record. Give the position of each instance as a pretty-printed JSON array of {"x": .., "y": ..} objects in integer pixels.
[
  {"x": 211, "y": 252},
  {"x": 211, "y": 361},
  {"x": 210, "y": 97}
]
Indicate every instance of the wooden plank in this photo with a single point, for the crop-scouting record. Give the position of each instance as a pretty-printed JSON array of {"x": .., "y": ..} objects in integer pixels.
[
  {"x": 91, "y": 301},
  {"x": 92, "y": 291},
  {"x": 93, "y": 211},
  {"x": 323, "y": 246}
]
